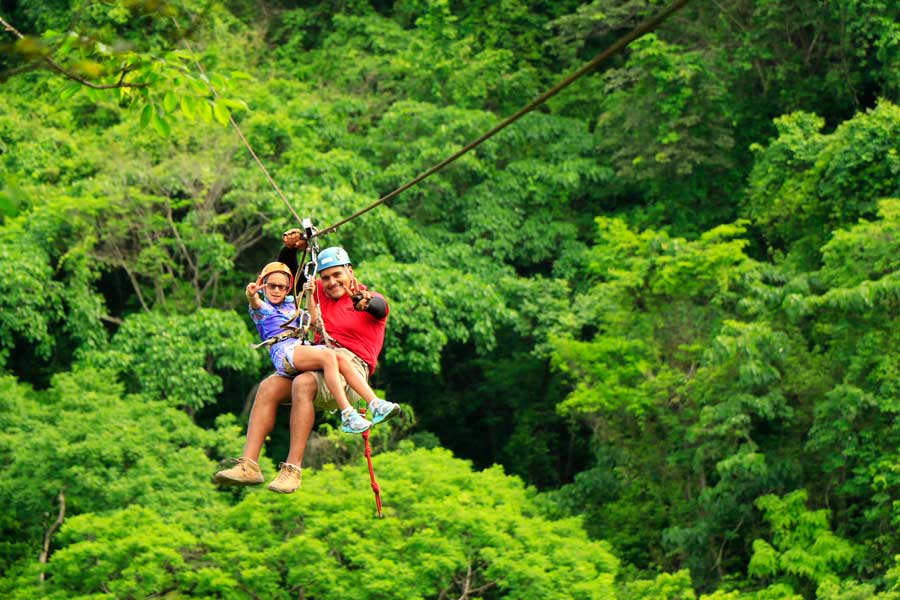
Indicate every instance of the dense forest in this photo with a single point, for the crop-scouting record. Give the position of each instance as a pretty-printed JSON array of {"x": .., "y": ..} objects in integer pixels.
[{"x": 646, "y": 339}]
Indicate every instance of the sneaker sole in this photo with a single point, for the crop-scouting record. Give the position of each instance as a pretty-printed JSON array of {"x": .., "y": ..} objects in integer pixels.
[
  {"x": 348, "y": 430},
  {"x": 376, "y": 419},
  {"x": 227, "y": 481}
]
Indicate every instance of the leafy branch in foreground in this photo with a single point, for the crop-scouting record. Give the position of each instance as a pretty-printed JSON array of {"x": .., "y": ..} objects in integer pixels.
[{"x": 106, "y": 58}]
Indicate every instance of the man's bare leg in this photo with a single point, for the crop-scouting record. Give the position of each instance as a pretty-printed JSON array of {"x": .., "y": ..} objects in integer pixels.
[
  {"x": 273, "y": 390},
  {"x": 303, "y": 415}
]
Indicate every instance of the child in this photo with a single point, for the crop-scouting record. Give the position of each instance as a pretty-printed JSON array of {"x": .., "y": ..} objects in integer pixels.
[{"x": 292, "y": 355}]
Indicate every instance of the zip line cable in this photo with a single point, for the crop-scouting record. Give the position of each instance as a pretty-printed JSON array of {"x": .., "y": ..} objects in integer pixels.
[
  {"x": 642, "y": 29},
  {"x": 244, "y": 139},
  {"x": 264, "y": 170}
]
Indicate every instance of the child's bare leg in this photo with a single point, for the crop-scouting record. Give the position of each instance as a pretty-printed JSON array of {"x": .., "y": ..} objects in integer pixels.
[
  {"x": 356, "y": 381},
  {"x": 307, "y": 358},
  {"x": 379, "y": 410}
]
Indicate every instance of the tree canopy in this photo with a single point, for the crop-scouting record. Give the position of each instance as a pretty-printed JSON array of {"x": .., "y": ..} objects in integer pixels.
[{"x": 645, "y": 338}]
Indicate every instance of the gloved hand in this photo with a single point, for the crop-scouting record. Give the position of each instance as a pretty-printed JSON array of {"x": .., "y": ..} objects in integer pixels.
[{"x": 293, "y": 238}]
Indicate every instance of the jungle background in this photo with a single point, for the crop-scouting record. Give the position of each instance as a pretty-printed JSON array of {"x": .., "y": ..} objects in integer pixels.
[{"x": 646, "y": 339}]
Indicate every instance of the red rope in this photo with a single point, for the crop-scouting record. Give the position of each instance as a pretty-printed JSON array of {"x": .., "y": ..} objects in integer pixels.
[{"x": 375, "y": 487}]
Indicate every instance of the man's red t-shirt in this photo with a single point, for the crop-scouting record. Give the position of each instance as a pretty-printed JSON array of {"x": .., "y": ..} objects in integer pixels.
[{"x": 356, "y": 330}]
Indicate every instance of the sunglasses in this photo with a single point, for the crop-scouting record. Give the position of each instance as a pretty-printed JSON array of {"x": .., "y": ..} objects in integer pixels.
[{"x": 277, "y": 287}]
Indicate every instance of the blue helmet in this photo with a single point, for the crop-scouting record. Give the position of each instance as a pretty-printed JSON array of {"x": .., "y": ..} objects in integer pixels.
[{"x": 332, "y": 257}]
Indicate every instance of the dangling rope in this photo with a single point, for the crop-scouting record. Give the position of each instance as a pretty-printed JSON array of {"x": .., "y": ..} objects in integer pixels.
[
  {"x": 376, "y": 489},
  {"x": 644, "y": 28}
]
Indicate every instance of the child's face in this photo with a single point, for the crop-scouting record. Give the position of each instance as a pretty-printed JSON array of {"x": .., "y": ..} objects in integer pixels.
[{"x": 277, "y": 287}]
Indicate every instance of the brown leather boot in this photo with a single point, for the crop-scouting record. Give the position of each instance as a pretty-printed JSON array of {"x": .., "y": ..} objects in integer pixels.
[{"x": 244, "y": 472}]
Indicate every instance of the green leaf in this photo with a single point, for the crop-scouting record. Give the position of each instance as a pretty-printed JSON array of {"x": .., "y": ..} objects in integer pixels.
[
  {"x": 204, "y": 109},
  {"x": 170, "y": 102},
  {"x": 66, "y": 47},
  {"x": 161, "y": 125},
  {"x": 69, "y": 91},
  {"x": 217, "y": 81},
  {"x": 199, "y": 87},
  {"x": 221, "y": 112},
  {"x": 234, "y": 104},
  {"x": 146, "y": 115},
  {"x": 9, "y": 206},
  {"x": 189, "y": 107}
]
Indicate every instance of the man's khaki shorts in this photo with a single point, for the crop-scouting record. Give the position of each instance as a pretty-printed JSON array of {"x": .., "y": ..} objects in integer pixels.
[{"x": 324, "y": 399}]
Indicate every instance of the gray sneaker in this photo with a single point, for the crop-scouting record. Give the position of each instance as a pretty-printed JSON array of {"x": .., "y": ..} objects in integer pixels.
[
  {"x": 354, "y": 423},
  {"x": 244, "y": 472},
  {"x": 383, "y": 411}
]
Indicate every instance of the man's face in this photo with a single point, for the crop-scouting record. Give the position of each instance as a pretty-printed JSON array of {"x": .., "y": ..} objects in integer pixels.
[{"x": 336, "y": 281}]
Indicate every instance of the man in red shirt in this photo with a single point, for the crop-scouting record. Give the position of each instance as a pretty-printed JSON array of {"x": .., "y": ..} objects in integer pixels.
[{"x": 354, "y": 321}]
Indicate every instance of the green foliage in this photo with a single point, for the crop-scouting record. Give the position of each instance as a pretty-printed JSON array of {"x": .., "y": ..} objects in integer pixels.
[
  {"x": 803, "y": 551},
  {"x": 724, "y": 332},
  {"x": 674, "y": 382},
  {"x": 514, "y": 198},
  {"x": 805, "y": 184},
  {"x": 691, "y": 130},
  {"x": 128, "y": 51},
  {"x": 854, "y": 433},
  {"x": 175, "y": 357},
  {"x": 795, "y": 57},
  {"x": 27, "y": 275},
  {"x": 644, "y": 283},
  {"x": 675, "y": 586},
  {"x": 446, "y": 530},
  {"x": 866, "y": 252},
  {"x": 82, "y": 438},
  {"x": 367, "y": 54},
  {"x": 144, "y": 560},
  {"x": 46, "y": 293}
]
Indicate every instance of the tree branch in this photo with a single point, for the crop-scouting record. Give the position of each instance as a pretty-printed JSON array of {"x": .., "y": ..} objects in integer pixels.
[
  {"x": 466, "y": 583},
  {"x": 112, "y": 319},
  {"x": 48, "y": 535},
  {"x": 195, "y": 278},
  {"x": 56, "y": 67},
  {"x": 482, "y": 588},
  {"x": 5, "y": 75},
  {"x": 134, "y": 282},
  {"x": 247, "y": 240}
]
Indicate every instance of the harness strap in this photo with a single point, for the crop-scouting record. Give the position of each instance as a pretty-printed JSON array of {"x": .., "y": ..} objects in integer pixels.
[{"x": 284, "y": 335}]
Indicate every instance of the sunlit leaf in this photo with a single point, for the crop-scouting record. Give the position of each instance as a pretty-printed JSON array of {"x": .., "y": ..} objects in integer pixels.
[
  {"x": 161, "y": 124},
  {"x": 188, "y": 107},
  {"x": 146, "y": 115},
  {"x": 70, "y": 90},
  {"x": 170, "y": 102}
]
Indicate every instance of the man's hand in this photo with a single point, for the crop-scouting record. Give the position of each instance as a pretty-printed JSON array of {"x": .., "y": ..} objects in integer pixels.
[
  {"x": 359, "y": 296},
  {"x": 293, "y": 238}
]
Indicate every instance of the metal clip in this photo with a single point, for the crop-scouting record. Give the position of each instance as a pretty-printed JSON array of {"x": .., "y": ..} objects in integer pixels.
[
  {"x": 309, "y": 270},
  {"x": 309, "y": 233}
]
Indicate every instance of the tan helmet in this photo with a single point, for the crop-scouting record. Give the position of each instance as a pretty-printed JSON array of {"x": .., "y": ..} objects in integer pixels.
[{"x": 276, "y": 267}]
